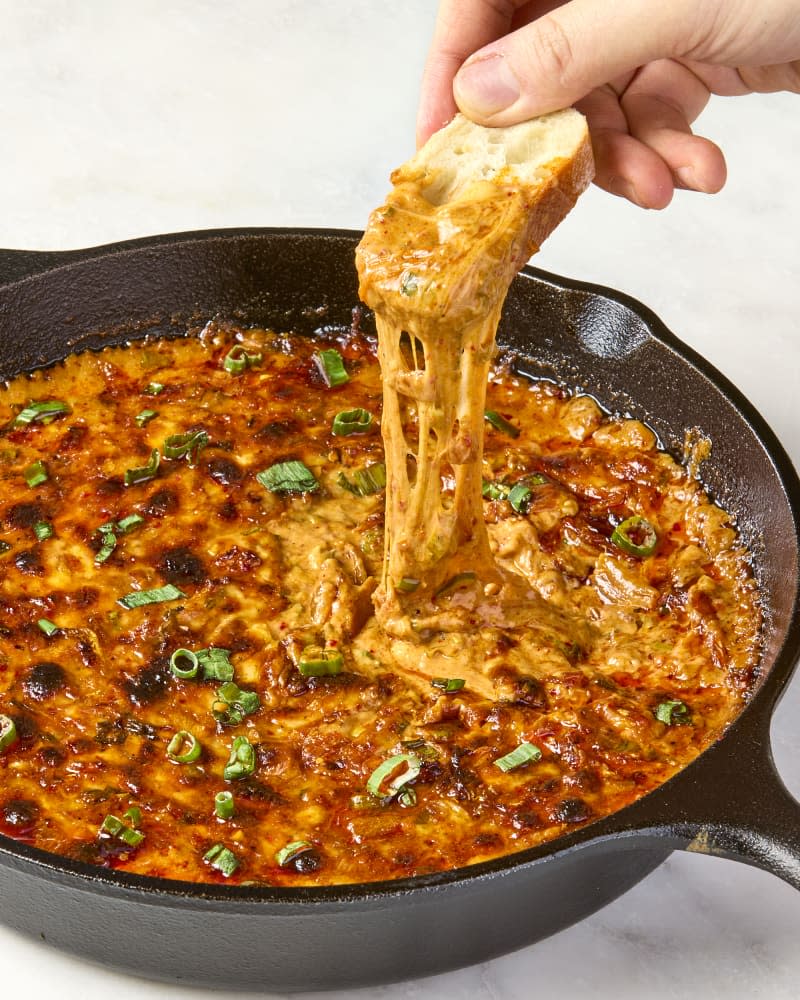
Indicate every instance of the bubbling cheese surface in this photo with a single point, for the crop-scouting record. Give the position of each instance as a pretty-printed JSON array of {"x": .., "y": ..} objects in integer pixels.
[{"x": 391, "y": 764}]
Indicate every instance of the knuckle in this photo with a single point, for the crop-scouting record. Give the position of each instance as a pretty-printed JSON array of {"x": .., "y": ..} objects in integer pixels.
[{"x": 552, "y": 52}]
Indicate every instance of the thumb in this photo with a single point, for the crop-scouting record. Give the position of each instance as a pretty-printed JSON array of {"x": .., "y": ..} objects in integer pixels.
[{"x": 559, "y": 58}]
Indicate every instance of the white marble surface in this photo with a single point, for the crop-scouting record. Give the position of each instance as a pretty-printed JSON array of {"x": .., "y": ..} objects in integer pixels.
[{"x": 121, "y": 120}]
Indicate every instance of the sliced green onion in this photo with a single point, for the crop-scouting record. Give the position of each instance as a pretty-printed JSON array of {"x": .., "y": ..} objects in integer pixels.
[
  {"x": 224, "y": 806},
  {"x": 348, "y": 422},
  {"x": 109, "y": 542},
  {"x": 237, "y": 359},
  {"x": 525, "y": 753},
  {"x": 138, "y": 598},
  {"x": 242, "y": 761},
  {"x": 287, "y": 854},
  {"x": 222, "y": 860},
  {"x": 454, "y": 583},
  {"x": 495, "y": 490},
  {"x": 673, "y": 713},
  {"x": 144, "y": 417},
  {"x": 127, "y": 524},
  {"x": 192, "y": 664},
  {"x": 331, "y": 365},
  {"x": 183, "y": 748},
  {"x": 43, "y": 412},
  {"x": 520, "y": 497},
  {"x": 288, "y": 477},
  {"x": 215, "y": 664},
  {"x": 409, "y": 284},
  {"x": 145, "y": 472},
  {"x": 500, "y": 423},
  {"x": 636, "y": 536},
  {"x": 407, "y": 585},
  {"x": 43, "y": 530},
  {"x": 366, "y": 482},
  {"x": 233, "y": 704},
  {"x": 114, "y": 827},
  {"x": 448, "y": 684},
  {"x": 317, "y": 662},
  {"x": 134, "y": 814},
  {"x": 380, "y": 787},
  {"x": 187, "y": 445},
  {"x": 35, "y": 474},
  {"x": 8, "y": 732},
  {"x": 4, "y": 547},
  {"x": 154, "y": 388},
  {"x": 407, "y": 797},
  {"x": 49, "y": 628}
]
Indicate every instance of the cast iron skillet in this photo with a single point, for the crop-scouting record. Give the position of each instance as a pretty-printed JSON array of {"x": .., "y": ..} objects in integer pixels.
[{"x": 729, "y": 802}]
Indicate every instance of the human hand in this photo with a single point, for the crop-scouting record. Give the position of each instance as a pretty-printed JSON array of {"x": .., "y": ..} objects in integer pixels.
[{"x": 640, "y": 71}]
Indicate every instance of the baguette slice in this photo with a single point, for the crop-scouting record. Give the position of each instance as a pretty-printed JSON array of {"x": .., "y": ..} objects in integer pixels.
[{"x": 467, "y": 211}]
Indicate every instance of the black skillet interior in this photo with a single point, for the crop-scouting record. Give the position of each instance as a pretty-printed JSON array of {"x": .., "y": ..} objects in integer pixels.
[{"x": 583, "y": 336}]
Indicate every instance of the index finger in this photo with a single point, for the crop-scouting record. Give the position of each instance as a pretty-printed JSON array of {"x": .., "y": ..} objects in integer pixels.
[{"x": 462, "y": 27}]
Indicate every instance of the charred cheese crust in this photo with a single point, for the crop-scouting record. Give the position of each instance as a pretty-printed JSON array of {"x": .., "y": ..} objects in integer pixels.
[{"x": 264, "y": 575}]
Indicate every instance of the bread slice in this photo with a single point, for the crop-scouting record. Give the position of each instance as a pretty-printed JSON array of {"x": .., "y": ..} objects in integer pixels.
[{"x": 468, "y": 210}]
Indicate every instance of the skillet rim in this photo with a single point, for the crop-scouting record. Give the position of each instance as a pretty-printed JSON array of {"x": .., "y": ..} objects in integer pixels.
[{"x": 30, "y": 265}]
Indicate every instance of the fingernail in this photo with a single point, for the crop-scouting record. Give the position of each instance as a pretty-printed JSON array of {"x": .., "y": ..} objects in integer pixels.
[
  {"x": 486, "y": 85},
  {"x": 624, "y": 189},
  {"x": 687, "y": 178}
]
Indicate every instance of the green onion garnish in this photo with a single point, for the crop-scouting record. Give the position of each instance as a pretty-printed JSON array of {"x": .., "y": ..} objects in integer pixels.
[
  {"x": 455, "y": 582},
  {"x": 183, "y": 748},
  {"x": 331, "y": 365},
  {"x": 49, "y": 628},
  {"x": 520, "y": 497},
  {"x": 242, "y": 761},
  {"x": 138, "y": 598},
  {"x": 525, "y": 753},
  {"x": 407, "y": 585},
  {"x": 154, "y": 388},
  {"x": 399, "y": 770},
  {"x": 348, "y": 422},
  {"x": 409, "y": 284},
  {"x": 4, "y": 547},
  {"x": 448, "y": 684},
  {"x": 127, "y": 524},
  {"x": 287, "y": 854},
  {"x": 288, "y": 477},
  {"x": 8, "y": 732},
  {"x": 43, "y": 530},
  {"x": 237, "y": 359},
  {"x": 187, "y": 445},
  {"x": 134, "y": 814},
  {"x": 144, "y": 417},
  {"x": 233, "y": 704},
  {"x": 673, "y": 713},
  {"x": 35, "y": 474},
  {"x": 221, "y": 859},
  {"x": 145, "y": 472},
  {"x": 495, "y": 490},
  {"x": 43, "y": 412},
  {"x": 224, "y": 806},
  {"x": 500, "y": 423},
  {"x": 184, "y": 664},
  {"x": 114, "y": 827},
  {"x": 366, "y": 482},
  {"x": 215, "y": 664},
  {"x": 636, "y": 536},
  {"x": 109, "y": 542},
  {"x": 317, "y": 662}
]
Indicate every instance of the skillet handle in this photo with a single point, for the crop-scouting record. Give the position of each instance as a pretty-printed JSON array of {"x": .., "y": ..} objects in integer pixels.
[{"x": 731, "y": 803}]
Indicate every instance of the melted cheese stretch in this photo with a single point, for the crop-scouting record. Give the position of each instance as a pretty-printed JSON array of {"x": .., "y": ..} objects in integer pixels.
[{"x": 610, "y": 637}]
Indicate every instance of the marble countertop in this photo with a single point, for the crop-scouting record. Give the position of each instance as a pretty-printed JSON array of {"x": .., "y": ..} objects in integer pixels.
[{"x": 120, "y": 121}]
